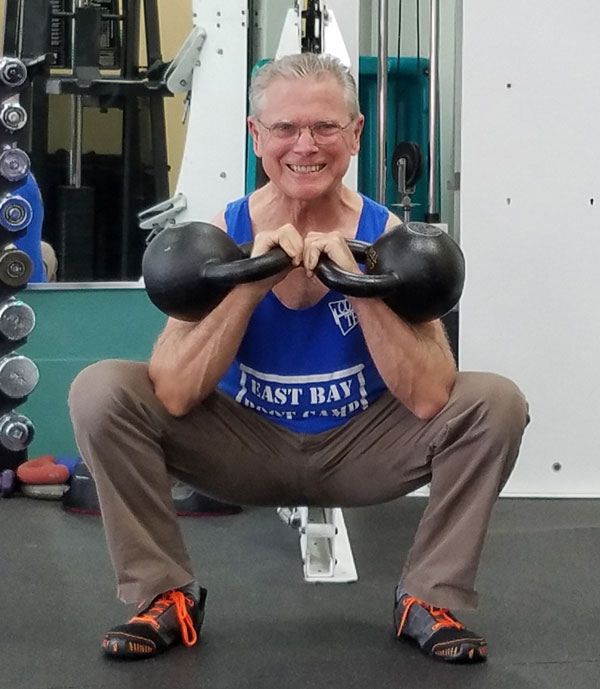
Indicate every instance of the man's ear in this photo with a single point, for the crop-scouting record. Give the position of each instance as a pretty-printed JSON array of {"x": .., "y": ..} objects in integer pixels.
[
  {"x": 256, "y": 141},
  {"x": 356, "y": 132}
]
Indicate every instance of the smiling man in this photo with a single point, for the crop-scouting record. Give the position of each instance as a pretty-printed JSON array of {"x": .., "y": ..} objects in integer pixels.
[{"x": 289, "y": 393}]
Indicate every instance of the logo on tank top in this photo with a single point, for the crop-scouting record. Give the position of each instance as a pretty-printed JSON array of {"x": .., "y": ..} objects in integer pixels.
[
  {"x": 343, "y": 315},
  {"x": 338, "y": 394}
]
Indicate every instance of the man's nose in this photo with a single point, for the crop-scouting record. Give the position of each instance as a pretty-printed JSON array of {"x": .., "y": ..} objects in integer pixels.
[{"x": 305, "y": 139}]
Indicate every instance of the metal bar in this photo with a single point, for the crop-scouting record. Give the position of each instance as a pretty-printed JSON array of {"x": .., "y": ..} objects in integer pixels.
[
  {"x": 433, "y": 200},
  {"x": 151, "y": 23},
  {"x": 76, "y": 148},
  {"x": 157, "y": 105},
  {"x": 382, "y": 74},
  {"x": 131, "y": 31}
]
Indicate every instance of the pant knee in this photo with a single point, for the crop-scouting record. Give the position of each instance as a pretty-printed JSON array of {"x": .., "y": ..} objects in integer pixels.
[
  {"x": 101, "y": 389},
  {"x": 497, "y": 399}
]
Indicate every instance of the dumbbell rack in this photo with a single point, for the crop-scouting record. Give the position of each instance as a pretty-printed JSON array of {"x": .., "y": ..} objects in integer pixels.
[{"x": 18, "y": 374}]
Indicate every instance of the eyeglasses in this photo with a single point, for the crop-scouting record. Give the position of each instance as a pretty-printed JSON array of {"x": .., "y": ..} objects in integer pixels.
[{"x": 321, "y": 132}]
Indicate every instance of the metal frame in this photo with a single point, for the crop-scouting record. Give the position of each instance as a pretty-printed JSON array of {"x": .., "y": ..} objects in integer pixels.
[{"x": 324, "y": 544}]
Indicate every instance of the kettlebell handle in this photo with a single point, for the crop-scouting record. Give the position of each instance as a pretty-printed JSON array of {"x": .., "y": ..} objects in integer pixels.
[
  {"x": 355, "y": 284},
  {"x": 232, "y": 273}
]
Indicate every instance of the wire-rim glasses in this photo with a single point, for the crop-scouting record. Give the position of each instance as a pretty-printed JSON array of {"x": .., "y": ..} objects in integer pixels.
[{"x": 324, "y": 132}]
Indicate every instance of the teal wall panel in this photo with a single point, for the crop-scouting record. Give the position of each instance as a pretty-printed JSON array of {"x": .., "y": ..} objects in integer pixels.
[
  {"x": 74, "y": 328},
  {"x": 407, "y": 120}
]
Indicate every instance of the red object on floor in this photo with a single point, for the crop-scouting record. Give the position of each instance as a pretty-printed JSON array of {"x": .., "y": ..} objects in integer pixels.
[{"x": 43, "y": 470}]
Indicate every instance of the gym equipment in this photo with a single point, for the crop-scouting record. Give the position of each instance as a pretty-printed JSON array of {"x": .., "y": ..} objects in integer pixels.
[
  {"x": 407, "y": 159},
  {"x": 16, "y": 431},
  {"x": 17, "y": 320},
  {"x": 417, "y": 269},
  {"x": 324, "y": 544},
  {"x": 407, "y": 168},
  {"x": 18, "y": 376},
  {"x": 69, "y": 462},
  {"x": 43, "y": 470},
  {"x": 188, "y": 269},
  {"x": 44, "y": 491},
  {"x": 91, "y": 198},
  {"x": 191, "y": 503},
  {"x": 7, "y": 482},
  {"x": 13, "y": 72},
  {"x": 14, "y": 164},
  {"x": 16, "y": 213},
  {"x": 13, "y": 116},
  {"x": 16, "y": 267},
  {"x": 81, "y": 495}
]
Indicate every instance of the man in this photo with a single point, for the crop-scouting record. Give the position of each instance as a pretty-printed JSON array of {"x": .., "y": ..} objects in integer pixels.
[{"x": 288, "y": 393}]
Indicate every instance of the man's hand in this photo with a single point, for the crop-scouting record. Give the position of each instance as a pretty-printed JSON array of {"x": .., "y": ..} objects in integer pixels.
[
  {"x": 285, "y": 237},
  {"x": 334, "y": 245}
]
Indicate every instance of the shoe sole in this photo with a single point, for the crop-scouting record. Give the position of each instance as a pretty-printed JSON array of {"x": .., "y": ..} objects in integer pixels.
[
  {"x": 128, "y": 647},
  {"x": 464, "y": 653}
]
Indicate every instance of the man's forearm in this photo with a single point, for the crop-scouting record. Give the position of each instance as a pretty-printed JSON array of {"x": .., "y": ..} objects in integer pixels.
[
  {"x": 415, "y": 361},
  {"x": 189, "y": 359}
]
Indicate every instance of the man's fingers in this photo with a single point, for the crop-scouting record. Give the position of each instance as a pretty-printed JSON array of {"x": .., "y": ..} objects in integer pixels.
[
  {"x": 293, "y": 245},
  {"x": 333, "y": 245},
  {"x": 285, "y": 237}
]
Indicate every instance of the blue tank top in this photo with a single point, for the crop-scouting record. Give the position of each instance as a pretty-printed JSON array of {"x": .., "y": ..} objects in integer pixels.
[
  {"x": 31, "y": 241},
  {"x": 308, "y": 370}
]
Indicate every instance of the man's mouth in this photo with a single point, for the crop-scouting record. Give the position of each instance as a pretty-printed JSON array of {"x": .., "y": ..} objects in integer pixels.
[{"x": 305, "y": 169}]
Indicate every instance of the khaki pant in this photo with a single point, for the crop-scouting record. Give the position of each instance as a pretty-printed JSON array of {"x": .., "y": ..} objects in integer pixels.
[
  {"x": 50, "y": 262},
  {"x": 132, "y": 445}
]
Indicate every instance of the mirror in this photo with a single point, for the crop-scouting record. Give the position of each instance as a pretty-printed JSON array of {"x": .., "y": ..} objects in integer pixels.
[{"x": 103, "y": 134}]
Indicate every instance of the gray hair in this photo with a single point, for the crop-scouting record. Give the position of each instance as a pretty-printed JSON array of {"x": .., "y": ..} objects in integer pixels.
[{"x": 300, "y": 66}]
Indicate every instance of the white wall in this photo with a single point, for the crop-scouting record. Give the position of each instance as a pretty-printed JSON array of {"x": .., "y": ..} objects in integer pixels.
[{"x": 529, "y": 228}]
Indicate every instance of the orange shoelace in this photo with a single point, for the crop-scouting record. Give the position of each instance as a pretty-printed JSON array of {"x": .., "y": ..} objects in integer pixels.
[
  {"x": 178, "y": 599},
  {"x": 441, "y": 615}
]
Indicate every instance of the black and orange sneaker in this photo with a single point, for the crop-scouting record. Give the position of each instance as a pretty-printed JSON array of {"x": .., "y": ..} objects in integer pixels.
[
  {"x": 172, "y": 617},
  {"x": 436, "y": 630}
]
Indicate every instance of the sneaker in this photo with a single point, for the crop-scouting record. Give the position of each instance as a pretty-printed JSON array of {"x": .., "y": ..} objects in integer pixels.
[
  {"x": 171, "y": 618},
  {"x": 436, "y": 630}
]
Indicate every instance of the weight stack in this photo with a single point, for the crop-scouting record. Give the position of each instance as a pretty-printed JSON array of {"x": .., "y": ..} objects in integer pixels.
[{"x": 19, "y": 211}]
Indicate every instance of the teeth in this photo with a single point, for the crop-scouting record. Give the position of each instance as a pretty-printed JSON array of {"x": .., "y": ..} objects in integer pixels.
[{"x": 306, "y": 168}]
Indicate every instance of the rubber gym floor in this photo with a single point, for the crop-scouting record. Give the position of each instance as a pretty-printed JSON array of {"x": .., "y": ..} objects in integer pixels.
[{"x": 266, "y": 628}]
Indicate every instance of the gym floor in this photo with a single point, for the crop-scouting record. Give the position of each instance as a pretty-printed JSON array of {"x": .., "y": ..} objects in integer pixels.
[{"x": 266, "y": 628}]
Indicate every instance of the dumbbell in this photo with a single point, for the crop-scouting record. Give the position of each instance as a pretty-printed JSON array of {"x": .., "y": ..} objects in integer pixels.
[
  {"x": 7, "y": 482},
  {"x": 16, "y": 267},
  {"x": 13, "y": 116},
  {"x": 14, "y": 164},
  {"x": 18, "y": 376},
  {"x": 16, "y": 431},
  {"x": 17, "y": 319},
  {"x": 16, "y": 212},
  {"x": 13, "y": 72}
]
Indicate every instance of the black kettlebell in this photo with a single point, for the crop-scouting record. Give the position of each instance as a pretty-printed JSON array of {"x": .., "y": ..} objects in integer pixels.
[
  {"x": 417, "y": 269},
  {"x": 189, "y": 269}
]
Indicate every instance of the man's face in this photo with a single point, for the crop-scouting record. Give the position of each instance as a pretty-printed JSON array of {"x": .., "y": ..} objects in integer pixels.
[{"x": 300, "y": 166}]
